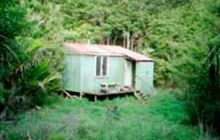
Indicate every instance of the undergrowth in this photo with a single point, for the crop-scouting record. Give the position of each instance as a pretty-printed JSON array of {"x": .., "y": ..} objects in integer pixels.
[{"x": 163, "y": 117}]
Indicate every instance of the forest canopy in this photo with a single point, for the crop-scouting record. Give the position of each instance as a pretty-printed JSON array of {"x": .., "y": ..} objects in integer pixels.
[{"x": 183, "y": 36}]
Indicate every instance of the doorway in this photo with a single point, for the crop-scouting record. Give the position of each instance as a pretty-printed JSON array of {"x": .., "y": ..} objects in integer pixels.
[{"x": 128, "y": 73}]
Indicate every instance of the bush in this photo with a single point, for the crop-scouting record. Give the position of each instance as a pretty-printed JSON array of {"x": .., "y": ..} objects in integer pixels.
[
  {"x": 163, "y": 117},
  {"x": 28, "y": 72},
  {"x": 198, "y": 71}
]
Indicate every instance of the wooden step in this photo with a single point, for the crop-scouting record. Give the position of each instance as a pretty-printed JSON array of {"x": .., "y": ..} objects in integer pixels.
[{"x": 140, "y": 96}]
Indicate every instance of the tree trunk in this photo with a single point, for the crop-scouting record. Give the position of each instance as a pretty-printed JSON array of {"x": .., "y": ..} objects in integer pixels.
[{"x": 128, "y": 40}]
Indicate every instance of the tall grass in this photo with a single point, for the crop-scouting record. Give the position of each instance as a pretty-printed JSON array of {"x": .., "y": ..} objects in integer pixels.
[{"x": 162, "y": 118}]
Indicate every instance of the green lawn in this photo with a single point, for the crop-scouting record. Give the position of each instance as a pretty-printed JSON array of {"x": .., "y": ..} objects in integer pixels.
[{"x": 162, "y": 118}]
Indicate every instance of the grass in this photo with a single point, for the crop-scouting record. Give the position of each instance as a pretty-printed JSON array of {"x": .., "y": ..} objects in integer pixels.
[{"x": 162, "y": 118}]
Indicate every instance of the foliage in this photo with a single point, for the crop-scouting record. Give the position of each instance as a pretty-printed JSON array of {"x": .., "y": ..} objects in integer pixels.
[
  {"x": 164, "y": 29},
  {"x": 27, "y": 72},
  {"x": 163, "y": 117},
  {"x": 198, "y": 70},
  {"x": 181, "y": 35},
  {"x": 159, "y": 28}
]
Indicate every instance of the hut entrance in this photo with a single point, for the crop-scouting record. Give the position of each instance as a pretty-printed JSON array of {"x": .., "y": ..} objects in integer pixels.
[{"x": 129, "y": 73}]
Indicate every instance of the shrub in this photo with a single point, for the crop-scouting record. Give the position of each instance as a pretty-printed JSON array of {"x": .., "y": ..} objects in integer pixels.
[{"x": 29, "y": 69}]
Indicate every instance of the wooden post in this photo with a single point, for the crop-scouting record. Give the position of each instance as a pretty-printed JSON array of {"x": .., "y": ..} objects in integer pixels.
[
  {"x": 95, "y": 98},
  {"x": 81, "y": 95}
]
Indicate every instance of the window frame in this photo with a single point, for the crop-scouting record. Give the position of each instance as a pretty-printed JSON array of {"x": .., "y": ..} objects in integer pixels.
[{"x": 101, "y": 66}]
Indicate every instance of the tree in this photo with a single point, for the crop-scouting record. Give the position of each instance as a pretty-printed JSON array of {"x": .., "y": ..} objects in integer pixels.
[
  {"x": 199, "y": 69},
  {"x": 27, "y": 72}
]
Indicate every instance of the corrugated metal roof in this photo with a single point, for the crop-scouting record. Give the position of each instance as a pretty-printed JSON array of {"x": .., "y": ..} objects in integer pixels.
[
  {"x": 128, "y": 53},
  {"x": 89, "y": 49},
  {"x": 107, "y": 50}
]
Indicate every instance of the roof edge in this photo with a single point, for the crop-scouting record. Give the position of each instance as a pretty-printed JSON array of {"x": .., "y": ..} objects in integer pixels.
[{"x": 108, "y": 50}]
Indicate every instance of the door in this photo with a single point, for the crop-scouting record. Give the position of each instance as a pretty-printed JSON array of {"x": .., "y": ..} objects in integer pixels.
[{"x": 128, "y": 73}]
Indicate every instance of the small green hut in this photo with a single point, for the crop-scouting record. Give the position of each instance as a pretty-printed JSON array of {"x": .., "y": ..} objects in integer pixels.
[{"x": 104, "y": 69}]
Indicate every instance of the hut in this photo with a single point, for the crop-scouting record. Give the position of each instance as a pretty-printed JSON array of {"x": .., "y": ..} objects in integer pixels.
[{"x": 104, "y": 70}]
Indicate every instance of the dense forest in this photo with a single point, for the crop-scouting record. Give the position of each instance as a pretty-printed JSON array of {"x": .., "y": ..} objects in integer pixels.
[{"x": 183, "y": 37}]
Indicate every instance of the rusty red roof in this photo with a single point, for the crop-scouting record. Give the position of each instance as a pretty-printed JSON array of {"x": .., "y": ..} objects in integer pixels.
[{"x": 91, "y": 49}]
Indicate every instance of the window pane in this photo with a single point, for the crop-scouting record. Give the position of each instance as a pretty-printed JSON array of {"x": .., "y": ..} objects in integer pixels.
[
  {"x": 104, "y": 66},
  {"x": 98, "y": 66}
]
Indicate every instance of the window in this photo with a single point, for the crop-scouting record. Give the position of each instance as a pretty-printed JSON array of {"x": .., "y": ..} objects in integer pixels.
[
  {"x": 98, "y": 65},
  {"x": 101, "y": 65}
]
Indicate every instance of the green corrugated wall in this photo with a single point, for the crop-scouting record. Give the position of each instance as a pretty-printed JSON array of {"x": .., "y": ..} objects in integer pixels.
[
  {"x": 80, "y": 73},
  {"x": 71, "y": 73},
  {"x": 144, "y": 76},
  {"x": 90, "y": 82}
]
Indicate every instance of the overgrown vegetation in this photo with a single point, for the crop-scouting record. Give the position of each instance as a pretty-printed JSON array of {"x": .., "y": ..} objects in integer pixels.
[
  {"x": 181, "y": 35},
  {"x": 27, "y": 72},
  {"x": 164, "y": 117},
  {"x": 198, "y": 70}
]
